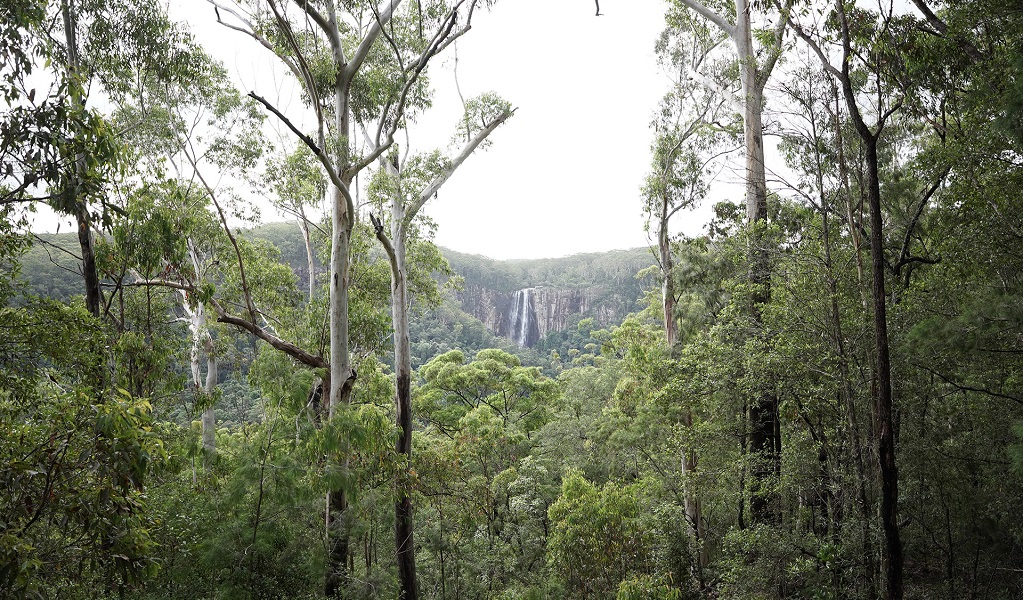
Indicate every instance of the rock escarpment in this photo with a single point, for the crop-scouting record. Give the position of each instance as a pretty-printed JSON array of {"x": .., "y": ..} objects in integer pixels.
[
  {"x": 524, "y": 300},
  {"x": 527, "y": 315}
]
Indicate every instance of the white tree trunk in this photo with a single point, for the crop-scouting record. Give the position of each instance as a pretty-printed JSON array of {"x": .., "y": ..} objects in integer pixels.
[
  {"x": 303, "y": 224},
  {"x": 209, "y": 416}
]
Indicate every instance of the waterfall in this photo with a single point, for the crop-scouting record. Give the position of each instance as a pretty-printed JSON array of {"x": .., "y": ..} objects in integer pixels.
[{"x": 522, "y": 318}]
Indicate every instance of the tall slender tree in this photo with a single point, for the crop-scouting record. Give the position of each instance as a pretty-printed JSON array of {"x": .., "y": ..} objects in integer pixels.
[
  {"x": 408, "y": 193},
  {"x": 755, "y": 66},
  {"x": 885, "y": 105},
  {"x": 359, "y": 65}
]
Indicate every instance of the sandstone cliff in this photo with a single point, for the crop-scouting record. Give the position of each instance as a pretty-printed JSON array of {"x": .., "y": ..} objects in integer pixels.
[{"x": 525, "y": 300}]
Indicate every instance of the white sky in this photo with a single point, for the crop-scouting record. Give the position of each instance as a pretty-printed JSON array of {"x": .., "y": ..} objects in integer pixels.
[{"x": 563, "y": 176}]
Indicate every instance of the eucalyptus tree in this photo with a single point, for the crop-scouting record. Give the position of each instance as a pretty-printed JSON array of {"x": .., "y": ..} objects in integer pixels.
[
  {"x": 358, "y": 65},
  {"x": 57, "y": 145},
  {"x": 407, "y": 188},
  {"x": 884, "y": 104},
  {"x": 685, "y": 151},
  {"x": 299, "y": 186},
  {"x": 755, "y": 64},
  {"x": 174, "y": 232}
]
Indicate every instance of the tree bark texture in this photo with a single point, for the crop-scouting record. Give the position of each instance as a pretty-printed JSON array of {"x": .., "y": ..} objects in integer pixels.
[
  {"x": 694, "y": 517},
  {"x": 891, "y": 555},
  {"x": 884, "y": 431},
  {"x": 765, "y": 424},
  {"x": 342, "y": 377},
  {"x": 93, "y": 294},
  {"x": 404, "y": 525}
]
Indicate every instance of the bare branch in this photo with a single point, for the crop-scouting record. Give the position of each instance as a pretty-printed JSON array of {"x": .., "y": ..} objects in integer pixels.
[
  {"x": 305, "y": 138},
  {"x": 378, "y": 229},
  {"x": 967, "y": 388},
  {"x": 385, "y": 132},
  {"x": 439, "y": 180},
  {"x": 717, "y": 88},
  {"x": 382, "y": 17},
  {"x": 712, "y": 16},
  {"x": 288, "y": 348}
]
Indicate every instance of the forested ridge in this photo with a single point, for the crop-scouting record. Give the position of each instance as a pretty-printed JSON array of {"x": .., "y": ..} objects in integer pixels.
[{"x": 820, "y": 396}]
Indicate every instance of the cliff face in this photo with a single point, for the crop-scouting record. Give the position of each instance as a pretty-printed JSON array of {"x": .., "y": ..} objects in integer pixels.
[
  {"x": 524, "y": 300},
  {"x": 528, "y": 314}
]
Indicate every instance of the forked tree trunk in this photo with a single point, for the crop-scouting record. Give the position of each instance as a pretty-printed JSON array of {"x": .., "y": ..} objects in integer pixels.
[
  {"x": 401, "y": 219},
  {"x": 202, "y": 343},
  {"x": 891, "y": 548}
]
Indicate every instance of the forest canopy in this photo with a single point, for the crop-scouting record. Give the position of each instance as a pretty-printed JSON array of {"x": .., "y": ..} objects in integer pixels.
[{"x": 820, "y": 396}]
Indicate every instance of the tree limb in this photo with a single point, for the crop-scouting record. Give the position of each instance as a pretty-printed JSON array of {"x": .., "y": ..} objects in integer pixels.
[
  {"x": 385, "y": 133},
  {"x": 305, "y": 138},
  {"x": 904, "y": 252},
  {"x": 288, "y": 348},
  {"x": 469, "y": 148},
  {"x": 967, "y": 388},
  {"x": 712, "y": 16},
  {"x": 942, "y": 28},
  {"x": 360, "y": 54},
  {"x": 378, "y": 229}
]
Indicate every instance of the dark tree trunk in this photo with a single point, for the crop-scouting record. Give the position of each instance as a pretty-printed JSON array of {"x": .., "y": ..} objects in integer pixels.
[
  {"x": 765, "y": 424},
  {"x": 891, "y": 553},
  {"x": 93, "y": 295},
  {"x": 338, "y": 577},
  {"x": 884, "y": 431},
  {"x": 403, "y": 523}
]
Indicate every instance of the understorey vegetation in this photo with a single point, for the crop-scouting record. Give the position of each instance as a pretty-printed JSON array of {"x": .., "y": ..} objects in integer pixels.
[{"x": 820, "y": 396}]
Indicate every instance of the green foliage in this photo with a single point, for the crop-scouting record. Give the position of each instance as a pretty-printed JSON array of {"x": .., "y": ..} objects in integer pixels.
[
  {"x": 598, "y": 537},
  {"x": 490, "y": 525},
  {"x": 75, "y": 461}
]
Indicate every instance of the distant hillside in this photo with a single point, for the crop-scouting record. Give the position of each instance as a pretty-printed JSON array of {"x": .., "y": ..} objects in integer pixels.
[
  {"x": 576, "y": 271},
  {"x": 52, "y": 266},
  {"x": 521, "y": 301},
  {"x": 526, "y": 300}
]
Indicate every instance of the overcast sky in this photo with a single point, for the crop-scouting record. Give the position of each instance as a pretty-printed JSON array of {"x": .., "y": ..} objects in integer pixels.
[{"x": 563, "y": 176}]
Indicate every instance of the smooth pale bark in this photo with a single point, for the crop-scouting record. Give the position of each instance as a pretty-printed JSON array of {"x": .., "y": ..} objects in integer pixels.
[
  {"x": 404, "y": 525},
  {"x": 765, "y": 423},
  {"x": 202, "y": 343},
  {"x": 209, "y": 416},
  {"x": 341, "y": 380},
  {"x": 303, "y": 225},
  {"x": 341, "y": 170},
  {"x": 694, "y": 518},
  {"x": 667, "y": 267},
  {"x": 342, "y": 375}
]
